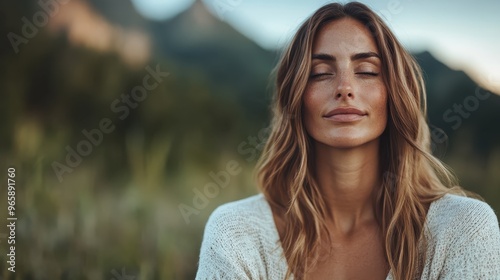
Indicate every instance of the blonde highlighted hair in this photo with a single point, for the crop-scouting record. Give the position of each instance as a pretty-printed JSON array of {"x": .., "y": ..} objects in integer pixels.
[{"x": 412, "y": 176}]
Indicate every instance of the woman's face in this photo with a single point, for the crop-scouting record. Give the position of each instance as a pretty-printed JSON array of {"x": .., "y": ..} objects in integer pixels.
[{"x": 345, "y": 102}]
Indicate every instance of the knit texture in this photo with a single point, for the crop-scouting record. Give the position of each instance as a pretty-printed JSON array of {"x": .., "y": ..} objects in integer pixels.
[{"x": 241, "y": 242}]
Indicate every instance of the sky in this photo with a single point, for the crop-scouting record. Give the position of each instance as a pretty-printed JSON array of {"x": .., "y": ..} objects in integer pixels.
[{"x": 464, "y": 34}]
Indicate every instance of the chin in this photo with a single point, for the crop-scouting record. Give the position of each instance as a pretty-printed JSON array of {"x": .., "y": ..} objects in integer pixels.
[
  {"x": 345, "y": 144},
  {"x": 348, "y": 142}
]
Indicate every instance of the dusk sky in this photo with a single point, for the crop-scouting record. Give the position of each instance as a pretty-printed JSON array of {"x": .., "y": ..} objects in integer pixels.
[{"x": 464, "y": 34}]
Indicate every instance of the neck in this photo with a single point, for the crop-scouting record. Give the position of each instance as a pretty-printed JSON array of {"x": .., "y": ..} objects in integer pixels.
[{"x": 349, "y": 180}]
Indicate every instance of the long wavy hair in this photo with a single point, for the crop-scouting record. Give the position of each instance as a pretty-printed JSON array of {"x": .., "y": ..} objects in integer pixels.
[{"x": 412, "y": 176}]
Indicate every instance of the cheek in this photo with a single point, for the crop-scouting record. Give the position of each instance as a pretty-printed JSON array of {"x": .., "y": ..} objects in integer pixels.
[
  {"x": 379, "y": 105},
  {"x": 315, "y": 96},
  {"x": 307, "y": 116},
  {"x": 310, "y": 104},
  {"x": 311, "y": 108}
]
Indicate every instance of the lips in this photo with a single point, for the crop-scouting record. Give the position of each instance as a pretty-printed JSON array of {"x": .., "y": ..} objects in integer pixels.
[{"x": 345, "y": 114}]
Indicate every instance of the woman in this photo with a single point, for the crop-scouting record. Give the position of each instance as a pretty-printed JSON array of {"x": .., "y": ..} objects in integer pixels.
[{"x": 350, "y": 189}]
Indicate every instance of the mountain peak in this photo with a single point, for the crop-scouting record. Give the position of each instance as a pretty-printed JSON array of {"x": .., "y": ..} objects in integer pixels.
[{"x": 199, "y": 15}]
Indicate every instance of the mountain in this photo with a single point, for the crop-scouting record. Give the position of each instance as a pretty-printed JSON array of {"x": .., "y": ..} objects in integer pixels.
[
  {"x": 120, "y": 12},
  {"x": 201, "y": 42},
  {"x": 457, "y": 104},
  {"x": 198, "y": 42}
]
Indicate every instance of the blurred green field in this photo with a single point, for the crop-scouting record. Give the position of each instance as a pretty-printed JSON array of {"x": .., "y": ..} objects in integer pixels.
[{"x": 88, "y": 226}]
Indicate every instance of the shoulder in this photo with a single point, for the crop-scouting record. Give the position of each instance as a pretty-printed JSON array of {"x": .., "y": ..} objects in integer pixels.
[
  {"x": 240, "y": 215},
  {"x": 458, "y": 213},
  {"x": 463, "y": 240},
  {"x": 243, "y": 225},
  {"x": 240, "y": 242},
  {"x": 249, "y": 205}
]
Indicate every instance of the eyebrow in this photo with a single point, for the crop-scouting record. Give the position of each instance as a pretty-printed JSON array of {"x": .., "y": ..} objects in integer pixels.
[{"x": 357, "y": 56}]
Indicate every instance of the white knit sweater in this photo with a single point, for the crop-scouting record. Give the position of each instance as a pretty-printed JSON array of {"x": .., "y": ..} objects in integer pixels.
[{"x": 241, "y": 241}]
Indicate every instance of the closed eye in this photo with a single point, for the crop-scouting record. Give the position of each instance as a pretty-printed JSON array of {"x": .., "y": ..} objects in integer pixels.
[
  {"x": 367, "y": 73},
  {"x": 319, "y": 75}
]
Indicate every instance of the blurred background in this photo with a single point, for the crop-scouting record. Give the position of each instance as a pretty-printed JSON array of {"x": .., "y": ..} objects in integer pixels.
[{"x": 129, "y": 121}]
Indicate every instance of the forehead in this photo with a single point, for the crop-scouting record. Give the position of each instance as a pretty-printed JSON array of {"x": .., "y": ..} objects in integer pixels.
[{"x": 344, "y": 36}]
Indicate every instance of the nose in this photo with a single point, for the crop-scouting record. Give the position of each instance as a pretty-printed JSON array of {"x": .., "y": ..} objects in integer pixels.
[{"x": 344, "y": 87}]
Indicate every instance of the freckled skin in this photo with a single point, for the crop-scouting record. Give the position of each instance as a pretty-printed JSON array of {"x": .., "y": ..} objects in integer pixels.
[
  {"x": 346, "y": 152},
  {"x": 341, "y": 39}
]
